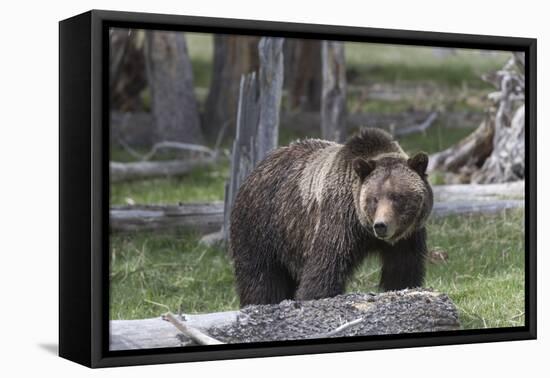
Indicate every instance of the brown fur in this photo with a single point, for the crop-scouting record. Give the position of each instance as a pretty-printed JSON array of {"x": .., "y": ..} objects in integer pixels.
[{"x": 303, "y": 219}]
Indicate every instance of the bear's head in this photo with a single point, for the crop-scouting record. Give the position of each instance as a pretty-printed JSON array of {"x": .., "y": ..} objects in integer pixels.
[{"x": 393, "y": 197}]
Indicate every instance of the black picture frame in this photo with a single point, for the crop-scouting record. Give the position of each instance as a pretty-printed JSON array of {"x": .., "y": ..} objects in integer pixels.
[{"x": 84, "y": 187}]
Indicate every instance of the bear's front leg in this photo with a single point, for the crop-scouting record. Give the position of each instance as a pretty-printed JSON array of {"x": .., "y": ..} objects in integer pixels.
[
  {"x": 403, "y": 263},
  {"x": 321, "y": 279}
]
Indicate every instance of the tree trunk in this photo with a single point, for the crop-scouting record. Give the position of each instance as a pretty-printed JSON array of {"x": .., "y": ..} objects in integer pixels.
[
  {"x": 233, "y": 57},
  {"x": 271, "y": 90},
  {"x": 303, "y": 76},
  {"x": 174, "y": 106},
  {"x": 126, "y": 70},
  {"x": 333, "y": 100}
]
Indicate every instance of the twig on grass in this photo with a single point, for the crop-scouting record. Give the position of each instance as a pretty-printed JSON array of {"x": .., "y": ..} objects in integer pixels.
[{"x": 193, "y": 333}]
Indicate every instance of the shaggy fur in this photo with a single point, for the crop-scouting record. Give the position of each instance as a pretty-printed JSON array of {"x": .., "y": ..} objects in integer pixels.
[{"x": 304, "y": 218}]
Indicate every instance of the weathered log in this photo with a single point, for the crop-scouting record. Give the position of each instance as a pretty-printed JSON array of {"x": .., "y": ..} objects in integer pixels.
[
  {"x": 406, "y": 311},
  {"x": 444, "y": 209},
  {"x": 201, "y": 217},
  {"x": 141, "y": 170},
  {"x": 477, "y": 192},
  {"x": 333, "y": 99},
  {"x": 157, "y": 333},
  {"x": 208, "y": 218}
]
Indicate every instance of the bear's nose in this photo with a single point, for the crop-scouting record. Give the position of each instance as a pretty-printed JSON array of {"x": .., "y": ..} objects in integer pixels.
[{"x": 380, "y": 228}]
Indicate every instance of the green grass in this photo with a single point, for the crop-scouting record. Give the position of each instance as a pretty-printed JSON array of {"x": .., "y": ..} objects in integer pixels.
[
  {"x": 153, "y": 273},
  {"x": 394, "y": 63},
  {"x": 201, "y": 185},
  {"x": 483, "y": 275},
  {"x": 436, "y": 138}
]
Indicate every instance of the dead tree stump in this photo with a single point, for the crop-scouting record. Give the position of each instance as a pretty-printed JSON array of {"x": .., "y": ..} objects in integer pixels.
[
  {"x": 495, "y": 151},
  {"x": 257, "y": 119}
]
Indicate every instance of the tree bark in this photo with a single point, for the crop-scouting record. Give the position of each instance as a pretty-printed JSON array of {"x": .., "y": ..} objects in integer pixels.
[
  {"x": 127, "y": 76},
  {"x": 244, "y": 152},
  {"x": 233, "y": 57},
  {"x": 333, "y": 100},
  {"x": 303, "y": 75},
  {"x": 174, "y": 106},
  {"x": 271, "y": 90}
]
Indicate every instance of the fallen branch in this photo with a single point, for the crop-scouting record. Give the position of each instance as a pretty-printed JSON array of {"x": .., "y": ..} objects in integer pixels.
[
  {"x": 154, "y": 169},
  {"x": 178, "y": 146},
  {"x": 193, "y": 333},
  {"x": 420, "y": 128}
]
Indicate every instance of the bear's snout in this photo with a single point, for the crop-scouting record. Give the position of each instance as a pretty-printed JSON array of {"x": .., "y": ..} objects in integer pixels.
[
  {"x": 383, "y": 225},
  {"x": 380, "y": 229}
]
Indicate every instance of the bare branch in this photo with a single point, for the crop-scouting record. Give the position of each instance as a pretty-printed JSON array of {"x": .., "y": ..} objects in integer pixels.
[{"x": 193, "y": 333}]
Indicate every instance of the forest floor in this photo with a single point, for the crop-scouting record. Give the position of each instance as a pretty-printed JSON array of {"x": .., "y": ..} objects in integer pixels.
[{"x": 477, "y": 260}]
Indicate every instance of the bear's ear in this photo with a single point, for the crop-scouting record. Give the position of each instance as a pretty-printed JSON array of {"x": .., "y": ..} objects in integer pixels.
[
  {"x": 363, "y": 167},
  {"x": 419, "y": 163}
]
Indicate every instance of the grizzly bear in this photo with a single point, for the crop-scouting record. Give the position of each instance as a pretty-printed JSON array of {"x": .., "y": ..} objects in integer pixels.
[{"x": 310, "y": 212}]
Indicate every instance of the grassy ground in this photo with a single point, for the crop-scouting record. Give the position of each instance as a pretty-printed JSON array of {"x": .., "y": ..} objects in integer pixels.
[
  {"x": 483, "y": 275},
  {"x": 201, "y": 185}
]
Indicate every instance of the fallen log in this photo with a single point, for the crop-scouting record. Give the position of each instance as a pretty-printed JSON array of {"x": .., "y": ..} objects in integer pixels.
[
  {"x": 479, "y": 192},
  {"x": 207, "y": 218},
  {"x": 199, "y": 217},
  {"x": 488, "y": 207},
  {"x": 153, "y": 169},
  {"x": 357, "y": 314},
  {"x": 157, "y": 333}
]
